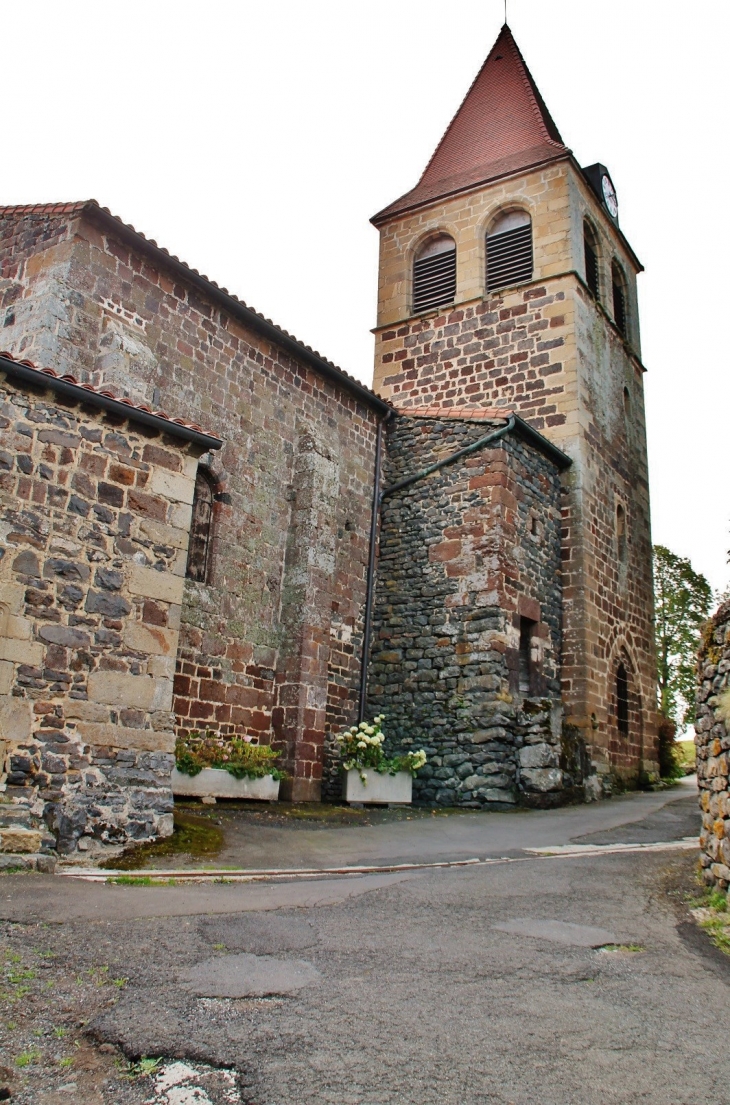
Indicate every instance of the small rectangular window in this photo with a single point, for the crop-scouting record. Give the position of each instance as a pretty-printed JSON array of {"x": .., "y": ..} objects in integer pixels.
[{"x": 525, "y": 658}]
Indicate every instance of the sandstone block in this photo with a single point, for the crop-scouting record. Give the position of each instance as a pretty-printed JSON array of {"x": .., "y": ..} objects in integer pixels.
[
  {"x": 17, "y": 628},
  {"x": 162, "y": 534},
  {"x": 21, "y": 652},
  {"x": 154, "y": 640},
  {"x": 6, "y": 677},
  {"x": 155, "y": 585},
  {"x": 12, "y": 596},
  {"x": 17, "y": 839},
  {"x": 16, "y": 719},
  {"x": 120, "y": 689},
  {"x": 119, "y": 736},
  {"x": 172, "y": 485}
]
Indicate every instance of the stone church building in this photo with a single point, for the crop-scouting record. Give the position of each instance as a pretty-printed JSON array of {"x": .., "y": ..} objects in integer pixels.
[{"x": 206, "y": 524}]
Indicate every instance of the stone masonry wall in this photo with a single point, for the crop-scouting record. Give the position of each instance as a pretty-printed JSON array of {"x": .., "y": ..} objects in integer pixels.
[
  {"x": 464, "y": 554},
  {"x": 712, "y": 739},
  {"x": 94, "y": 518},
  {"x": 270, "y": 642}
]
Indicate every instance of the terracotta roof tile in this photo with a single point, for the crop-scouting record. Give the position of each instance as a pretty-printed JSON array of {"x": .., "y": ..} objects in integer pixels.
[
  {"x": 501, "y": 127},
  {"x": 453, "y": 414},
  {"x": 45, "y": 373}
]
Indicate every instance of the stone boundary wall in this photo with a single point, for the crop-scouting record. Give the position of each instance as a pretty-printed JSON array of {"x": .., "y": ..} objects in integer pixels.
[
  {"x": 712, "y": 739},
  {"x": 465, "y": 554},
  {"x": 94, "y": 521}
]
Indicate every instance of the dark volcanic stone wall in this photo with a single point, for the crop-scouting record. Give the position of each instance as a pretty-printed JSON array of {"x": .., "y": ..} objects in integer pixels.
[
  {"x": 712, "y": 738},
  {"x": 465, "y": 554}
]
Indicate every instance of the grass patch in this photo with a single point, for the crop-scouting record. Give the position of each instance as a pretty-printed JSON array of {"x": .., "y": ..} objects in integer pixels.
[
  {"x": 192, "y": 836},
  {"x": 27, "y": 1058},
  {"x": 711, "y": 911}
]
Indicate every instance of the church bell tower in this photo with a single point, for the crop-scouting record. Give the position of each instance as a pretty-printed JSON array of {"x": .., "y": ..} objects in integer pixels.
[{"x": 506, "y": 282}]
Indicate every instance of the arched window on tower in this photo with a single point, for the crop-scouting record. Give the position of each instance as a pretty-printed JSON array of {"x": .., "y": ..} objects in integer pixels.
[
  {"x": 434, "y": 273},
  {"x": 509, "y": 250},
  {"x": 590, "y": 251},
  {"x": 201, "y": 529},
  {"x": 622, "y": 700},
  {"x": 618, "y": 284}
]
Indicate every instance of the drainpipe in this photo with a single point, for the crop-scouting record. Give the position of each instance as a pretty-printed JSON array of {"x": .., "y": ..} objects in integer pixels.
[
  {"x": 493, "y": 436},
  {"x": 368, "y": 622},
  {"x": 378, "y": 497}
]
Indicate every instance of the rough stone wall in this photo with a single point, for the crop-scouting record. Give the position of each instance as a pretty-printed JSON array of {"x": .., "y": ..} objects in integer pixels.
[
  {"x": 549, "y": 351},
  {"x": 270, "y": 643},
  {"x": 94, "y": 517},
  {"x": 464, "y": 554},
  {"x": 712, "y": 739}
]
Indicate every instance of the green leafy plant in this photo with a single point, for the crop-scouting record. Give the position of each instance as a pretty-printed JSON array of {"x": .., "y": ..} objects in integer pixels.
[
  {"x": 683, "y": 600},
  {"x": 26, "y": 1058},
  {"x": 361, "y": 747},
  {"x": 240, "y": 758},
  {"x": 144, "y": 1068}
]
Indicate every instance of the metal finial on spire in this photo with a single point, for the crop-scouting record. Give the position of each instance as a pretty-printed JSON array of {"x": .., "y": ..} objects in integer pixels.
[{"x": 505, "y": 11}]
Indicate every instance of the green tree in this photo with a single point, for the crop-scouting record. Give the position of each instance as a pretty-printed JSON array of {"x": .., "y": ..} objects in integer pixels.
[{"x": 683, "y": 601}]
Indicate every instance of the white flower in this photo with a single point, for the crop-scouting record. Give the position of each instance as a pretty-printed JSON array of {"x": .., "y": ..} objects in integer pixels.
[{"x": 361, "y": 744}]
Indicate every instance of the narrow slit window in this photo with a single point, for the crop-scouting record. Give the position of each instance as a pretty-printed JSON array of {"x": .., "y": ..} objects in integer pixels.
[
  {"x": 434, "y": 274},
  {"x": 590, "y": 250},
  {"x": 198, "y": 566},
  {"x": 621, "y": 533},
  {"x": 509, "y": 251},
  {"x": 525, "y": 655},
  {"x": 619, "y": 298},
  {"x": 622, "y": 701}
]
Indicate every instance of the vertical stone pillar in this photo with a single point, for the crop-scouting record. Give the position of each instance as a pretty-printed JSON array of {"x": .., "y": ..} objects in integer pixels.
[{"x": 301, "y": 679}]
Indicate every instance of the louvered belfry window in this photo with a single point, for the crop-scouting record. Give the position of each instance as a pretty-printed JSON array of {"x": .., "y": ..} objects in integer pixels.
[
  {"x": 434, "y": 274},
  {"x": 591, "y": 259},
  {"x": 619, "y": 298},
  {"x": 509, "y": 251}
]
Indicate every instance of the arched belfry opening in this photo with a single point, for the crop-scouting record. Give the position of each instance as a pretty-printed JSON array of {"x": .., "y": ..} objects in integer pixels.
[
  {"x": 509, "y": 250},
  {"x": 434, "y": 273}
]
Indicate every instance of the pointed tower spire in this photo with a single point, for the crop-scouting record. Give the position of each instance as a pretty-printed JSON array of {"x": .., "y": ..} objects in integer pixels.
[{"x": 502, "y": 126}]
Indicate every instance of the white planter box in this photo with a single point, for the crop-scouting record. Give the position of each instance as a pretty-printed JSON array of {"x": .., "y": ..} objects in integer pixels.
[
  {"x": 214, "y": 782},
  {"x": 379, "y": 790}
]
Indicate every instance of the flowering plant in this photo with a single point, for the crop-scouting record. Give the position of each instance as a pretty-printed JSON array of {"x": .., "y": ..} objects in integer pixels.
[
  {"x": 239, "y": 757},
  {"x": 362, "y": 747}
]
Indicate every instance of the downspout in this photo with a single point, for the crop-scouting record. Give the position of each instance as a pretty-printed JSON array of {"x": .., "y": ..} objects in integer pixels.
[
  {"x": 494, "y": 436},
  {"x": 368, "y": 623},
  {"x": 378, "y": 497}
]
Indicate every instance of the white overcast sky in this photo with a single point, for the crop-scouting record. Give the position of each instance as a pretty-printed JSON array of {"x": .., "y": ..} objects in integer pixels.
[{"x": 255, "y": 139}]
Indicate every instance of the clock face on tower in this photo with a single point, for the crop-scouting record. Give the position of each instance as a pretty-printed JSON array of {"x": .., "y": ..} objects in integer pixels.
[{"x": 609, "y": 195}]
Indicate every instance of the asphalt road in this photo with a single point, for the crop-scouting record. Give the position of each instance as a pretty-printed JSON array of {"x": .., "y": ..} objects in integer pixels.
[{"x": 558, "y": 981}]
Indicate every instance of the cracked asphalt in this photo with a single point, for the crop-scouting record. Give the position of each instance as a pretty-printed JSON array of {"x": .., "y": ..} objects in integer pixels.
[{"x": 551, "y": 980}]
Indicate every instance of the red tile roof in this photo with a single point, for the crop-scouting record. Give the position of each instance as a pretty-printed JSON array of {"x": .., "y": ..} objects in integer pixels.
[
  {"x": 47, "y": 377},
  {"x": 465, "y": 414},
  {"x": 235, "y": 305},
  {"x": 502, "y": 126}
]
